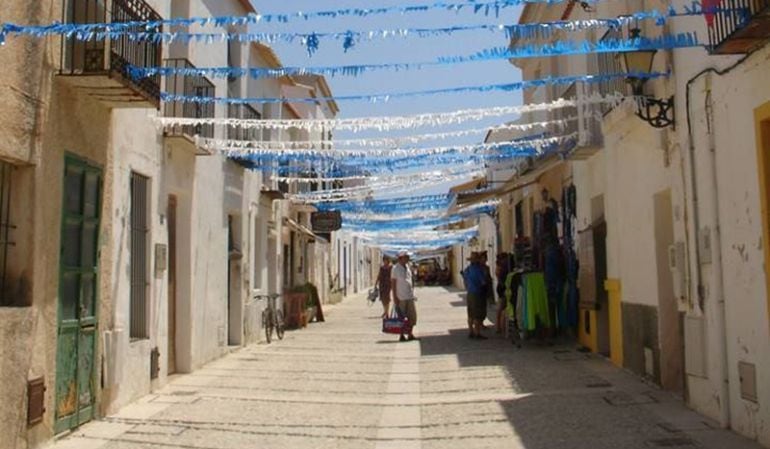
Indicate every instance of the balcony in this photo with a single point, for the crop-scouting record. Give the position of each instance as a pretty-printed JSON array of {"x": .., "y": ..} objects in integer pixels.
[
  {"x": 582, "y": 120},
  {"x": 100, "y": 67},
  {"x": 198, "y": 86},
  {"x": 245, "y": 112},
  {"x": 740, "y": 26}
]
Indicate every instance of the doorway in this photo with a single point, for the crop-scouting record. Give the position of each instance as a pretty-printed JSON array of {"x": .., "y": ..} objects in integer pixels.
[
  {"x": 762, "y": 124},
  {"x": 171, "y": 215},
  {"x": 671, "y": 334},
  {"x": 602, "y": 298},
  {"x": 234, "y": 282},
  {"x": 78, "y": 300}
]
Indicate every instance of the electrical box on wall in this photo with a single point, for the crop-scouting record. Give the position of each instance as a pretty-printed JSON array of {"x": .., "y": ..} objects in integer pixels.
[
  {"x": 161, "y": 259},
  {"x": 676, "y": 263}
]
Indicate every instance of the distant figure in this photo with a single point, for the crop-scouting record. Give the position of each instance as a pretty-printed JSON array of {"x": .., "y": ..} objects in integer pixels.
[
  {"x": 383, "y": 284},
  {"x": 476, "y": 286},
  {"x": 402, "y": 287}
]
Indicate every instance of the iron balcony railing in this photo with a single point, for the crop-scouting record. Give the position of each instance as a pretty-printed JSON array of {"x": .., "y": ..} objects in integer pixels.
[
  {"x": 738, "y": 26},
  {"x": 113, "y": 56},
  {"x": 609, "y": 63},
  {"x": 197, "y": 86},
  {"x": 246, "y": 112}
]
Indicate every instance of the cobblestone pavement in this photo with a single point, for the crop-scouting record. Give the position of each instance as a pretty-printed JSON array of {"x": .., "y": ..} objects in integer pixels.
[{"x": 343, "y": 384}]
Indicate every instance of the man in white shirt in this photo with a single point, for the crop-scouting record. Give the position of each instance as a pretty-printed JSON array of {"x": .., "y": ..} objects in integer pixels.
[{"x": 403, "y": 292}]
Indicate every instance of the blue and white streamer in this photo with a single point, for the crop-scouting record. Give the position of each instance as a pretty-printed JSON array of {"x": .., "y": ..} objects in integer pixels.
[
  {"x": 387, "y": 142},
  {"x": 385, "y": 97},
  {"x": 389, "y": 123}
]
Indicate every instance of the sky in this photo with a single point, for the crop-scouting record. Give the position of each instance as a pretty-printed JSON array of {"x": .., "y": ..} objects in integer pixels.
[{"x": 399, "y": 49}]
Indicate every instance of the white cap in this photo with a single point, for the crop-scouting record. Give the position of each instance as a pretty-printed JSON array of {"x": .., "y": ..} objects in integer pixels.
[{"x": 403, "y": 254}]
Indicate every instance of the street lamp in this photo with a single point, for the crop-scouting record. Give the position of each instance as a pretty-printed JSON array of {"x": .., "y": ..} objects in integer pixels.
[{"x": 657, "y": 113}]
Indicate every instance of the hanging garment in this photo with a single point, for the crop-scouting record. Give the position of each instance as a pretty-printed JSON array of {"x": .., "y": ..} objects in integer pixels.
[{"x": 536, "y": 302}]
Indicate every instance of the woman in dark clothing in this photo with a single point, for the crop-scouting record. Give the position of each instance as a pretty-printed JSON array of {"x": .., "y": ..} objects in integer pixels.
[{"x": 383, "y": 283}]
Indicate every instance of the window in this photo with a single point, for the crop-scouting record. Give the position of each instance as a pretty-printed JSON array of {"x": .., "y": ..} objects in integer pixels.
[
  {"x": 138, "y": 256},
  {"x": 7, "y": 298}
]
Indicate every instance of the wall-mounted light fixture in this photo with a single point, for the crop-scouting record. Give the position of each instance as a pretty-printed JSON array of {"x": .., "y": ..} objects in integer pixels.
[{"x": 657, "y": 113}]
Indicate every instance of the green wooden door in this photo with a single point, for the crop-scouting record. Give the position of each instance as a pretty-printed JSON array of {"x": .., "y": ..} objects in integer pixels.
[{"x": 78, "y": 268}]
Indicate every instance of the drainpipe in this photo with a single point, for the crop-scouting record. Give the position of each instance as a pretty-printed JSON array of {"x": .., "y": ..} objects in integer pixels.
[{"x": 720, "y": 321}]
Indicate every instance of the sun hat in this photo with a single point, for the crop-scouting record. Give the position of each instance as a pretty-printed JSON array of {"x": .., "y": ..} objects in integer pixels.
[{"x": 403, "y": 254}]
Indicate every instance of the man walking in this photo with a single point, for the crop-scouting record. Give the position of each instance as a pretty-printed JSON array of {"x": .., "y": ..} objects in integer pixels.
[
  {"x": 383, "y": 284},
  {"x": 403, "y": 292},
  {"x": 476, "y": 285}
]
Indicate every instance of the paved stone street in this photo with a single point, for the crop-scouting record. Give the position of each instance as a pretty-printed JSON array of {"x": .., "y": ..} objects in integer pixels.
[{"x": 343, "y": 384}]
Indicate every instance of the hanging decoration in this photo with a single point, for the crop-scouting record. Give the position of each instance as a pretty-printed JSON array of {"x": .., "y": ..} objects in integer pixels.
[
  {"x": 481, "y": 7},
  {"x": 559, "y": 48},
  {"x": 385, "y": 97},
  {"x": 406, "y": 184},
  {"x": 390, "y": 123},
  {"x": 350, "y": 156},
  {"x": 386, "y": 205},
  {"x": 389, "y": 142},
  {"x": 350, "y": 38},
  {"x": 415, "y": 223},
  {"x": 414, "y": 240}
]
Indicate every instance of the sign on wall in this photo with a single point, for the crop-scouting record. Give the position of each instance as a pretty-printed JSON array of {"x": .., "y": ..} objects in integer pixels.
[{"x": 327, "y": 221}]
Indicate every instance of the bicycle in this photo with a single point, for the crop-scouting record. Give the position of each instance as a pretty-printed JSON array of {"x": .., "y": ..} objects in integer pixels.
[{"x": 272, "y": 318}]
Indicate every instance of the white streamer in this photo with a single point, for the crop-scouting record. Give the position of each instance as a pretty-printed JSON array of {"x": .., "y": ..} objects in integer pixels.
[
  {"x": 423, "y": 180},
  {"x": 393, "y": 122},
  {"x": 481, "y": 148},
  {"x": 383, "y": 142}
]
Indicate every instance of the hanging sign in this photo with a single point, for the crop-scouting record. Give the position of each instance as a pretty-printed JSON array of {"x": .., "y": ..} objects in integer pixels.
[{"x": 326, "y": 221}]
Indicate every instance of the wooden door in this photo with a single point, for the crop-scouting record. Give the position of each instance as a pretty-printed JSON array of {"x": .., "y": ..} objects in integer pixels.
[{"x": 77, "y": 308}]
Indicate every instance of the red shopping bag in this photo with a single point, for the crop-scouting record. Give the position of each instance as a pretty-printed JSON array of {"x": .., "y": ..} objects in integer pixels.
[{"x": 395, "y": 323}]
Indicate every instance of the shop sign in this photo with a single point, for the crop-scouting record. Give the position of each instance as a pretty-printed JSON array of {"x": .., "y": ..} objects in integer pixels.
[{"x": 327, "y": 221}]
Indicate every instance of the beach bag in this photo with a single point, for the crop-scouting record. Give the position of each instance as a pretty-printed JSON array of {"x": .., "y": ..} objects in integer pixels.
[
  {"x": 395, "y": 323},
  {"x": 374, "y": 293}
]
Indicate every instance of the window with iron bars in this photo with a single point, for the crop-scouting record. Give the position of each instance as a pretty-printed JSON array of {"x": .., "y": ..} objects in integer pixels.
[{"x": 7, "y": 298}]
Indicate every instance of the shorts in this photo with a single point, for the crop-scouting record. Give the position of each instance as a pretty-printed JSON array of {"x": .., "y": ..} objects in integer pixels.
[
  {"x": 477, "y": 307},
  {"x": 408, "y": 310}
]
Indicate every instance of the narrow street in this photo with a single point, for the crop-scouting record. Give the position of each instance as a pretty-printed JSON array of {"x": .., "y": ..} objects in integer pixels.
[{"x": 343, "y": 384}]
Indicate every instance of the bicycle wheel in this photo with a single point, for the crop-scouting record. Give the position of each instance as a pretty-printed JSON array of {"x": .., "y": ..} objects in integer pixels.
[
  {"x": 267, "y": 324},
  {"x": 279, "y": 326}
]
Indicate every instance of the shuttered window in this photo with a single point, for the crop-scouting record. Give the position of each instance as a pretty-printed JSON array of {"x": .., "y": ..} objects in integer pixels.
[{"x": 139, "y": 263}]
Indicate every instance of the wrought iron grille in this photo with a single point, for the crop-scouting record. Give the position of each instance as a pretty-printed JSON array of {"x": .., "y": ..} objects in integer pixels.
[
  {"x": 138, "y": 256},
  {"x": 198, "y": 86},
  {"x": 112, "y": 56},
  {"x": 731, "y": 17},
  {"x": 6, "y": 170},
  {"x": 566, "y": 113},
  {"x": 609, "y": 63}
]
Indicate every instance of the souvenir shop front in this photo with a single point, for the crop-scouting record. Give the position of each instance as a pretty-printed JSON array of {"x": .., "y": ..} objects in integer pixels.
[{"x": 540, "y": 269}]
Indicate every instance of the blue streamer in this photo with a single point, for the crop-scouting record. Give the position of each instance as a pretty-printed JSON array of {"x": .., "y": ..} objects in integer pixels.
[
  {"x": 561, "y": 48},
  {"x": 412, "y": 223},
  {"x": 543, "y": 30},
  {"x": 390, "y": 205},
  {"x": 510, "y": 87},
  {"x": 227, "y": 21}
]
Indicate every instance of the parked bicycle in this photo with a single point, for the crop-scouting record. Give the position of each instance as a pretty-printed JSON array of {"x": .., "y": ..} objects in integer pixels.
[{"x": 272, "y": 317}]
